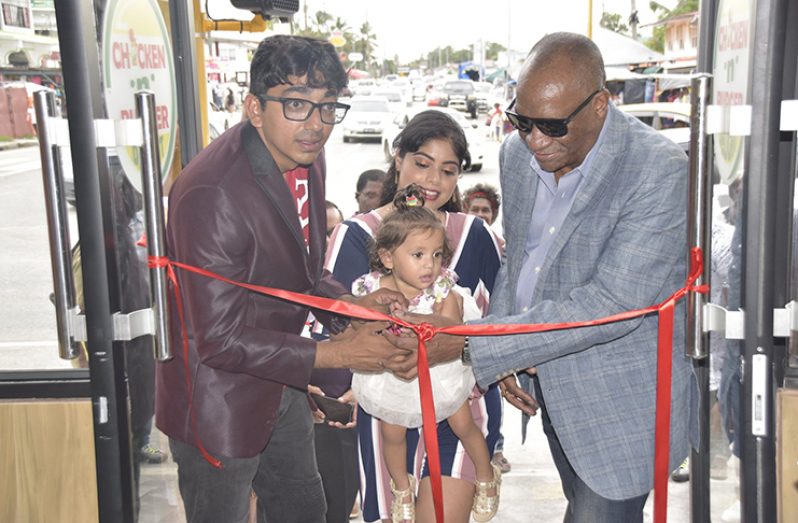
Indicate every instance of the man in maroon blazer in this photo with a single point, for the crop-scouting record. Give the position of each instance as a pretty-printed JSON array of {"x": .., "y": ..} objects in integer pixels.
[{"x": 251, "y": 208}]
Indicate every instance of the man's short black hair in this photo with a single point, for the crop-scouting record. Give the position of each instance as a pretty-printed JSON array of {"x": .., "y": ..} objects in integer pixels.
[
  {"x": 372, "y": 175},
  {"x": 281, "y": 56},
  {"x": 330, "y": 205}
]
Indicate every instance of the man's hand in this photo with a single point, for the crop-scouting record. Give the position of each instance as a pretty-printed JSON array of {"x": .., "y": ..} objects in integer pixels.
[
  {"x": 441, "y": 348},
  {"x": 366, "y": 349},
  {"x": 516, "y": 396}
]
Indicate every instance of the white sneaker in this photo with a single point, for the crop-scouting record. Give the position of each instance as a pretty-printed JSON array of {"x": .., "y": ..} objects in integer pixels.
[{"x": 731, "y": 514}]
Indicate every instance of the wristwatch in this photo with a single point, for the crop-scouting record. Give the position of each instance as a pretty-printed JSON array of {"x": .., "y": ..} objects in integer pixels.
[{"x": 465, "y": 356}]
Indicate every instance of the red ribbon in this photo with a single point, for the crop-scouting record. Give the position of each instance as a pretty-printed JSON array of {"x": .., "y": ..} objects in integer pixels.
[{"x": 425, "y": 332}]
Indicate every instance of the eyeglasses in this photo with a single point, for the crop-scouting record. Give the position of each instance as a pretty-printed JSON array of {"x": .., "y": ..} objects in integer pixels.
[
  {"x": 553, "y": 127},
  {"x": 299, "y": 110}
]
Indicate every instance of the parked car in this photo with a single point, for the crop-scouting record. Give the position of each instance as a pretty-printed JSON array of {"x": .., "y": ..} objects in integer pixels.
[
  {"x": 483, "y": 91},
  {"x": 366, "y": 118},
  {"x": 460, "y": 95},
  {"x": 420, "y": 90},
  {"x": 473, "y": 135},
  {"x": 362, "y": 87},
  {"x": 396, "y": 98},
  {"x": 404, "y": 86},
  {"x": 672, "y": 119}
]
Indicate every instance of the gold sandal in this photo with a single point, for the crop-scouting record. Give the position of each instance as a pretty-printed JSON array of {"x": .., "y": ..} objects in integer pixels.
[
  {"x": 485, "y": 506},
  {"x": 403, "y": 511}
]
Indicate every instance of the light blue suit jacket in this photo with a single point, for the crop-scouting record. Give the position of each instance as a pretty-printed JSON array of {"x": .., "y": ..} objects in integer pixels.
[{"x": 622, "y": 246}]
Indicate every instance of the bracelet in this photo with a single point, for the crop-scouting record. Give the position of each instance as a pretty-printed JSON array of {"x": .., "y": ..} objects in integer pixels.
[{"x": 465, "y": 356}]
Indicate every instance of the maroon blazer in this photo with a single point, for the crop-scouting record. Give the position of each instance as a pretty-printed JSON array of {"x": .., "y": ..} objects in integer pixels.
[{"x": 231, "y": 212}]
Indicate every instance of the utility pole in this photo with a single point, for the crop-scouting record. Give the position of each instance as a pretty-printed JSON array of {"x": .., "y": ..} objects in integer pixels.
[
  {"x": 634, "y": 20},
  {"x": 509, "y": 29}
]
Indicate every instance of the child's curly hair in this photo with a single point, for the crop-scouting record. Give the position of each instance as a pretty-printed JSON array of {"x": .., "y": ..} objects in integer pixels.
[{"x": 410, "y": 216}]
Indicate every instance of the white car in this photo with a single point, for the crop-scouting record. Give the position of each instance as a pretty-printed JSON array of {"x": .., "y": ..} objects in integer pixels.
[
  {"x": 396, "y": 98},
  {"x": 362, "y": 87},
  {"x": 404, "y": 86},
  {"x": 473, "y": 135},
  {"x": 420, "y": 90},
  {"x": 366, "y": 118},
  {"x": 483, "y": 90},
  {"x": 671, "y": 119}
]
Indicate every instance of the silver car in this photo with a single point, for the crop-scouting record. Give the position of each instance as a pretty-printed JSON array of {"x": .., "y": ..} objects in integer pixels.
[{"x": 366, "y": 118}]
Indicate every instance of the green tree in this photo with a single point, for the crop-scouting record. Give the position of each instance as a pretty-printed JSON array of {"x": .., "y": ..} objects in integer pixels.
[
  {"x": 612, "y": 21},
  {"x": 321, "y": 21},
  {"x": 389, "y": 66},
  {"x": 366, "y": 42},
  {"x": 319, "y": 26},
  {"x": 340, "y": 25},
  {"x": 492, "y": 50},
  {"x": 657, "y": 40},
  {"x": 461, "y": 55}
]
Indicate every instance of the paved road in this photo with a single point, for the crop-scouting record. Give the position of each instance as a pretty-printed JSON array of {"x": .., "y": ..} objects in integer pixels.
[{"x": 27, "y": 318}]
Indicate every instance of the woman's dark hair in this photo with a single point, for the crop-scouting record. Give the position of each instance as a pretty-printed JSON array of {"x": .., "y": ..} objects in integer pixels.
[
  {"x": 281, "y": 56},
  {"x": 425, "y": 126},
  {"x": 410, "y": 216},
  {"x": 483, "y": 190}
]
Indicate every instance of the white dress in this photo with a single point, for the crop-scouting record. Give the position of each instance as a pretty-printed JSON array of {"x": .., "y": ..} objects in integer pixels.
[{"x": 398, "y": 401}]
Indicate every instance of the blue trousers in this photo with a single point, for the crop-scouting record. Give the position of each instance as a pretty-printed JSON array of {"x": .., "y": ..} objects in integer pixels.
[{"x": 584, "y": 505}]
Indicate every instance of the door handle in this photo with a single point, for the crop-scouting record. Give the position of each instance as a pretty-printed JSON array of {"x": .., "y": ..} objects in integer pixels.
[
  {"x": 57, "y": 225},
  {"x": 699, "y": 225},
  {"x": 153, "y": 212}
]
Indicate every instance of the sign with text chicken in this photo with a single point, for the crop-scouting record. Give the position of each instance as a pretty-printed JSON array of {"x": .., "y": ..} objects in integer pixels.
[
  {"x": 136, "y": 55},
  {"x": 733, "y": 37}
]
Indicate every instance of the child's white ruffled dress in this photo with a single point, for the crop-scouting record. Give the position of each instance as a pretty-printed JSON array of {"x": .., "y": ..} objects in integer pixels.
[{"x": 397, "y": 401}]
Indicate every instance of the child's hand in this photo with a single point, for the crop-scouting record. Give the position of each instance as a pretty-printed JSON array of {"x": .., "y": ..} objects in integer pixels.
[
  {"x": 395, "y": 308},
  {"x": 382, "y": 300}
]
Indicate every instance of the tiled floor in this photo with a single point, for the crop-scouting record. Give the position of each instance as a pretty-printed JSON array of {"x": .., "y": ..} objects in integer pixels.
[{"x": 530, "y": 491}]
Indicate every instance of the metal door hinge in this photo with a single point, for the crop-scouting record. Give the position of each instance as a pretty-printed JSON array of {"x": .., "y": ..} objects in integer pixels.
[
  {"x": 126, "y": 326},
  {"x": 731, "y": 324}
]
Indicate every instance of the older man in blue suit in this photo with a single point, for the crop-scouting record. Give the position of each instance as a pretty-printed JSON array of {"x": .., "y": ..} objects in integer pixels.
[{"x": 597, "y": 205}]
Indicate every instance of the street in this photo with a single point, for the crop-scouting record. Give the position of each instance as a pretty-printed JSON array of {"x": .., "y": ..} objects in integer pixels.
[{"x": 27, "y": 318}]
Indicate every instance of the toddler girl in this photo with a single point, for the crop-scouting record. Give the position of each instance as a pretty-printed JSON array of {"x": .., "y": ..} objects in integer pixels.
[{"x": 408, "y": 256}]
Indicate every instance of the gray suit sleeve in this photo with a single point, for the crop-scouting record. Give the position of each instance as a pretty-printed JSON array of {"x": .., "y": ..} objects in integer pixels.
[{"x": 641, "y": 263}]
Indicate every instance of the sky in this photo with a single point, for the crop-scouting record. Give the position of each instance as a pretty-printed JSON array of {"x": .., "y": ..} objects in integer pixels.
[{"x": 411, "y": 28}]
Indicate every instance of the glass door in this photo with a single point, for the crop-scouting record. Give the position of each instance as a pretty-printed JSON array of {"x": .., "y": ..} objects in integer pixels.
[
  {"x": 77, "y": 386},
  {"x": 745, "y": 47}
]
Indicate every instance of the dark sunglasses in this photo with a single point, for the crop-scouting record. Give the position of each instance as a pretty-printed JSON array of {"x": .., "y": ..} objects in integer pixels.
[{"x": 553, "y": 127}]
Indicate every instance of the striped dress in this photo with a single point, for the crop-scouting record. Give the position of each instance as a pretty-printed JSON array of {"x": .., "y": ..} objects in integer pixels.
[{"x": 476, "y": 260}]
